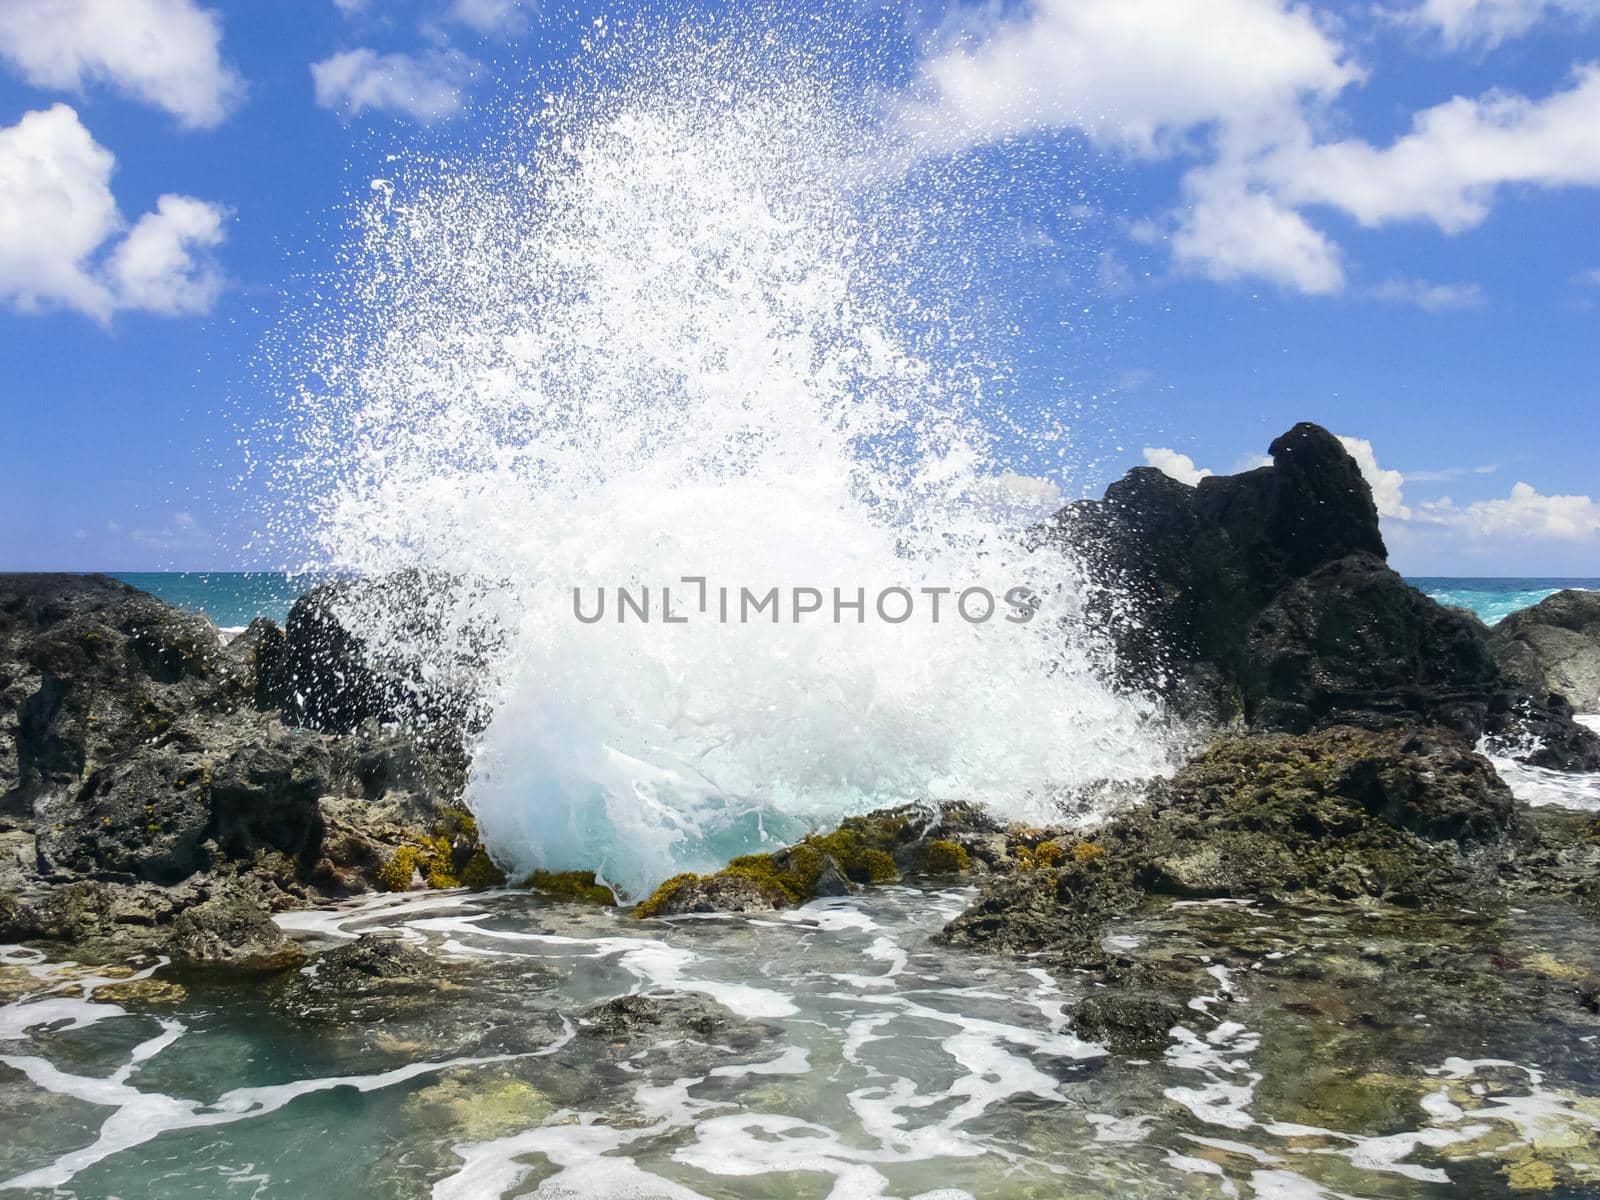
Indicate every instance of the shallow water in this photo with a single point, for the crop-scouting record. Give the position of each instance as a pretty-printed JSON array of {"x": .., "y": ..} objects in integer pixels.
[
  {"x": 1542, "y": 787},
  {"x": 1324, "y": 1053}
]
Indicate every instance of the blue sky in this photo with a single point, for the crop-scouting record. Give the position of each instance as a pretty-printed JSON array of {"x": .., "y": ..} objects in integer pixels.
[{"x": 1382, "y": 217}]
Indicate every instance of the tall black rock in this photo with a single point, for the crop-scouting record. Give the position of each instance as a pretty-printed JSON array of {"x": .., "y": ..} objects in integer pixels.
[{"x": 1266, "y": 596}]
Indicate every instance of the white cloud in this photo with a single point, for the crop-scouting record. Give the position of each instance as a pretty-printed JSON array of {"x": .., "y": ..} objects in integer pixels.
[
  {"x": 1251, "y": 462},
  {"x": 58, "y": 218},
  {"x": 56, "y": 209},
  {"x": 1179, "y": 466},
  {"x": 162, "y": 266},
  {"x": 1137, "y": 75},
  {"x": 163, "y": 52},
  {"x": 1523, "y": 514},
  {"x": 490, "y": 16},
  {"x": 1455, "y": 158},
  {"x": 1431, "y": 297},
  {"x": 426, "y": 87},
  {"x": 1487, "y": 23},
  {"x": 1244, "y": 90},
  {"x": 1387, "y": 485},
  {"x": 1233, "y": 231}
]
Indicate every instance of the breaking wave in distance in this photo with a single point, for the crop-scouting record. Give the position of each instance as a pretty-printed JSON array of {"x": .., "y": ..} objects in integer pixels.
[{"x": 684, "y": 320}]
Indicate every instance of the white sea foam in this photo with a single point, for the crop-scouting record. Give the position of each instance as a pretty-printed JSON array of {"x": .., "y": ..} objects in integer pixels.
[
  {"x": 1540, "y": 786},
  {"x": 678, "y": 323}
]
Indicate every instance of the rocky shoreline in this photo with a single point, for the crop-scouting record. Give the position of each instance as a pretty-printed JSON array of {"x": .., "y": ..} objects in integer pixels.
[{"x": 162, "y": 792}]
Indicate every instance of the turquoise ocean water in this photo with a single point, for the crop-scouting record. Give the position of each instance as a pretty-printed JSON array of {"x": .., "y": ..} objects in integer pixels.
[
  {"x": 1493, "y": 599},
  {"x": 233, "y": 599}
]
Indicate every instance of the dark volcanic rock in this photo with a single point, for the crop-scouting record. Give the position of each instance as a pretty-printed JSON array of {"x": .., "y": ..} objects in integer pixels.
[
  {"x": 138, "y": 778},
  {"x": 266, "y": 794},
  {"x": 147, "y": 816},
  {"x": 1410, "y": 816},
  {"x": 1265, "y": 597},
  {"x": 232, "y": 931},
  {"x": 371, "y": 978},
  {"x": 1186, "y": 568},
  {"x": 1351, "y": 642},
  {"x": 1553, "y": 648},
  {"x": 633, "y": 1015},
  {"x": 682, "y": 1026},
  {"x": 1129, "y": 1022},
  {"x": 91, "y": 668}
]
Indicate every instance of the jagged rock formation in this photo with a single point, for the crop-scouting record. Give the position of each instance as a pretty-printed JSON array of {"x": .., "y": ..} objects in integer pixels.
[
  {"x": 139, "y": 778},
  {"x": 1265, "y": 597}
]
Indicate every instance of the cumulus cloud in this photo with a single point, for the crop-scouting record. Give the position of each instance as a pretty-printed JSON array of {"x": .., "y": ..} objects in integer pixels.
[
  {"x": 1136, "y": 75},
  {"x": 1525, "y": 513},
  {"x": 166, "y": 53},
  {"x": 1387, "y": 485},
  {"x": 1487, "y": 23},
  {"x": 1448, "y": 170},
  {"x": 426, "y": 87},
  {"x": 1179, "y": 466},
  {"x": 1454, "y": 160},
  {"x": 162, "y": 265},
  {"x": 1244, "y": 91},
  {"x": 1232, "y": 230},
  {"x": 59, "y": 221}
]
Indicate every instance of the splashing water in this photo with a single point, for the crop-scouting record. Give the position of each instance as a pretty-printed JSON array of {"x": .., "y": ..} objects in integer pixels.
[{"x": 683, "y": 322}]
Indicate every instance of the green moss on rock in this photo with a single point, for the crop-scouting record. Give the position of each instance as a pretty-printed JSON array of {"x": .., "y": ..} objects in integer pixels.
[
  {"x": 480, "y": 874},
  {"x": 946, "y": 858},
  {"x": 396, "y": 874},
  {"x": 653, "y": 904},
  {"x": 580, "y": 886}
]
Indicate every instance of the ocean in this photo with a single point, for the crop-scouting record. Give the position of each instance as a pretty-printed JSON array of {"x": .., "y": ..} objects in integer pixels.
[
  {"x": 232, "y": 599},
  {"x": 1494, "y": 599}
]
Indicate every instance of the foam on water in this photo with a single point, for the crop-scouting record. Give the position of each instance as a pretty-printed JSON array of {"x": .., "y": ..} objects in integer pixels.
[
  {"x": 1540, "y": 786},
  {"x": 963, "y": 1081},
  {"x": 681, "y": 321}
]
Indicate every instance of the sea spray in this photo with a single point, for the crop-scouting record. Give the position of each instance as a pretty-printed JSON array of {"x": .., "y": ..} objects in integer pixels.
[{"x": 683, "y": 320}]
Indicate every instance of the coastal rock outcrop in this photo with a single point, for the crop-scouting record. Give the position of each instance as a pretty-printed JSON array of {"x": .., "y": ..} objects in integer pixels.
[
  {"x": 1553, "y": 648},
  {"x": 1411, "y": 817},
  {"x": 1265, "y": 597},
  {"x": 139, "y": 778}
]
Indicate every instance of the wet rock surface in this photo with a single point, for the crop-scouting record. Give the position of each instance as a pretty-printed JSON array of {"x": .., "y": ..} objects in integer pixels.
[
  {"x": 1409, "y": 817},
  {"x": 1356, "y": 1047},
  {"x": 232, "y": 931},
  {"x": 140, "y": 776},
  {"x": 375, "y": 974}
]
